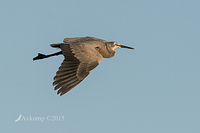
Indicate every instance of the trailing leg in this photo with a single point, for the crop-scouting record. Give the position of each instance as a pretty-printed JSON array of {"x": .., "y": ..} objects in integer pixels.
[{"x": 42, "y": 56}]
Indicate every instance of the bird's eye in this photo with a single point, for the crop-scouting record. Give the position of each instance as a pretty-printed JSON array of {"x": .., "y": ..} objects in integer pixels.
[{"x": 97, "y": 48}]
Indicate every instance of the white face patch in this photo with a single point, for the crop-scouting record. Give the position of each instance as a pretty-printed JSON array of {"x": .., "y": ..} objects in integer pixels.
[{"x": 117, "y": 45}]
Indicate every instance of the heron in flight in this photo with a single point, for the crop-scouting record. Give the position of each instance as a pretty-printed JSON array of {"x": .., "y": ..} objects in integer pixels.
[{"x": 82, "y": 55}]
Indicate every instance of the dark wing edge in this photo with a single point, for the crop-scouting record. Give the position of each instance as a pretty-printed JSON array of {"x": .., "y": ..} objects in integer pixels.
[{"x": 66, "y": 78}]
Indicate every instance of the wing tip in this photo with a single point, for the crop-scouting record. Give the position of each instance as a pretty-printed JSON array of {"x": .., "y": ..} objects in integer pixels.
[{"x": 59, "y": 92}]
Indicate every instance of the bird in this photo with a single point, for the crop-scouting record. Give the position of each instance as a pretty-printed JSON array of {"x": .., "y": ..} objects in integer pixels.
[{"x": 81, "y": 56}]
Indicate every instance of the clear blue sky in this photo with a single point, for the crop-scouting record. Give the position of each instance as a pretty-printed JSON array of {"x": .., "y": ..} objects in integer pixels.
[{"x": 153, "y": 89}]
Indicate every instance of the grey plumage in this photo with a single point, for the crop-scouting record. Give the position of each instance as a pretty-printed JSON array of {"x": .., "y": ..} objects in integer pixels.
[{"x": 82, "y": 55}]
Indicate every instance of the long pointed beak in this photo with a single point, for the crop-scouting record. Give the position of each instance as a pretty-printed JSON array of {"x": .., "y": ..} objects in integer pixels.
[{"x": 122, "y": 46}]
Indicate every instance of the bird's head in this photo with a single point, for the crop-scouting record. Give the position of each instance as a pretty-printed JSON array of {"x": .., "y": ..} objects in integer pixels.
[
  {"x": 114, "y": 45},
  {"x": 110, "y": 49}
]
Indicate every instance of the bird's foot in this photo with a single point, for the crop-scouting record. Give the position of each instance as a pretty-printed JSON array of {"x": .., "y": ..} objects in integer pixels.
[{"x": 40, "y": 56}]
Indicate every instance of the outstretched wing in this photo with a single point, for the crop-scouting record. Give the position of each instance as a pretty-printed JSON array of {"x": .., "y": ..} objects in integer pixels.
[{"x": 80, "y": 60}]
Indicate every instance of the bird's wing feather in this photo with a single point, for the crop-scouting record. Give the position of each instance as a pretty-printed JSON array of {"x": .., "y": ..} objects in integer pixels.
[
  {"x": 80, "y": 60},
  {"x": 82, "y": 39}
]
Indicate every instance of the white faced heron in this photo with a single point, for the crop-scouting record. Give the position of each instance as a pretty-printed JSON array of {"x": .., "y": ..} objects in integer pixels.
[{"x": 82, "y": 55}]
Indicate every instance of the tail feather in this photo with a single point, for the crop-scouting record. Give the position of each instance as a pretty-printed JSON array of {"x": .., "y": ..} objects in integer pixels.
[{"x": 56, "y": 45}]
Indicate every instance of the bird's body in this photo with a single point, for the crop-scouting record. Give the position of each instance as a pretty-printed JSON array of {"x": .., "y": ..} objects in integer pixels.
[{"x": 82, "y": 55}]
